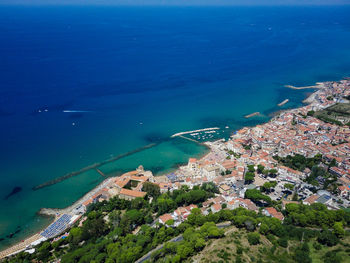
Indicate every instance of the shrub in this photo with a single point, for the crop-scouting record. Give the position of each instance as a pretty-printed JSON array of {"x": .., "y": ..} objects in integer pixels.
[
  {"x": 283, "y": 242},
  {"x": 327, "y": 238},
  {"x": 253, "y": 238}
]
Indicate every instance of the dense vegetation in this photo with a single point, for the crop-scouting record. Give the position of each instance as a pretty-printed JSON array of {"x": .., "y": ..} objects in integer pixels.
[
  {"x": 299, "y": 162},
  {"x": 330, "y": 114},
  {"x": 124, "y": 231},
  {"x": 107, "y": 233},
  {"x": 308, "y": 234},
  {"x": 240, "y": 245}
]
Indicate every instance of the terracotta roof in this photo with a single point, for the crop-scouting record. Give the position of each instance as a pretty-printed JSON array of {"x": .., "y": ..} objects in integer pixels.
[
  {"x": 165, "y": 217},
  {"x": 190, "y": 207},
  {"x": 130, "y": 173},
  {"x": 250, "y": 205},
  {"x": 139, "y": 178},
  {"x": 132, "y": 193},
  {"x": 217, "y": 207},
  {"x": 274, "y": 213},
  {"x": 228, "y": 164},
  {"x": 121, "y": 182},
  {"x": 225, "y": 187},
  {"x": 87, "y": 202},
  {"x": 311, "y": 199}
]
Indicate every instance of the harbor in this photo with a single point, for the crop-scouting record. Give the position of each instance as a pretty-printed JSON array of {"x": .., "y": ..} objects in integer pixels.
[{"x": 195, "y": 131}]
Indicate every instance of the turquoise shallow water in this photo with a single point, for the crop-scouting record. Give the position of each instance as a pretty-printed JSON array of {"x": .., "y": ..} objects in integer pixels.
[{"x": 171, "y": 69}]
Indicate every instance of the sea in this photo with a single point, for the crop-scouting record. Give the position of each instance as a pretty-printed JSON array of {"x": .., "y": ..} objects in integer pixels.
[{"x": 83, "y": 84}]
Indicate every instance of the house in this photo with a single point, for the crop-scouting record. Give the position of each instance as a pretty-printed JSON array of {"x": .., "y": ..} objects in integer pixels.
[
  {"x": 211, "y": 171},
  {"x": 216, "y": 208},
  {"x": 192, "y": 164},
  {"x": 247, "y": 203},
  {"x": 205, "y": 211},
  {"x": 218, "y": 200},
  {"x": 310, "y": 200},
  {"x": 270, "y": 211},
  {"x": 224, "y": 188},
  {"x": 233, "y": 204},
  {"x": 164, "y": 218},
  {"x": 344, "y": 191},
  {"x": 181, "y": 213},
  {"x": 228, "y": 165},
  {"x": 285, "y": 171},
  {"x": 165, "y": 187},
  {"x": 337, "y": 171},
  {"x": 87, "y": 202}
]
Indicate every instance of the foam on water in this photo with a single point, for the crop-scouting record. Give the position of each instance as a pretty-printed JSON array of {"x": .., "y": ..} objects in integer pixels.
[{"x": 143, "y": 74}]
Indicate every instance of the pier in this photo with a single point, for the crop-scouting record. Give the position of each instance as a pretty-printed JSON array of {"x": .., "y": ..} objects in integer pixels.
[
  {"x": 187, "y": 132},
  {"x": 317, "y": 86},
  {"x": 93, "y": 166},
  {"x": 252, "y": 115},
  {"x": 186, "y": 138},
  {"x": 100, "y": 172},
  {"x": 282, "y": 103}
]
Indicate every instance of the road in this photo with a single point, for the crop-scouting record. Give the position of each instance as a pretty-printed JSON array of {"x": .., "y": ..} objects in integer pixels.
[{"x": 175, "y": 239}]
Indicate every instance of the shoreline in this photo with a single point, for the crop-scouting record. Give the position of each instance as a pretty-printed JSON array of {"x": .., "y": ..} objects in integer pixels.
[{"x": 56, "y": 212}]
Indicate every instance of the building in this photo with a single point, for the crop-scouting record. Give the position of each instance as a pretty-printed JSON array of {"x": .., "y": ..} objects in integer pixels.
[
  {"x": 164, "y": 218},
  {"x": 310, "y": 200},
  {"x": 270, "y": 211},
  {"x": 192, "y": 164},
  {"x": 131, "y": 194}
]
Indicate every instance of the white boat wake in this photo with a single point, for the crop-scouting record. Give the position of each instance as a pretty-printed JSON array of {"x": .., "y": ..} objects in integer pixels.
[{"x": 75, "y": 111}]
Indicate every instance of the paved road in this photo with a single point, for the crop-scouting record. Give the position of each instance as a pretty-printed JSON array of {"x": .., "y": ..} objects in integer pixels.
[
  {"x": 148, "y": 255},
  {"x": 175, "y": 239}
]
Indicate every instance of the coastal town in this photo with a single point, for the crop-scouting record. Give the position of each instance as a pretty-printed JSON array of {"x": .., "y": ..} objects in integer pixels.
[{"x": 296, "y": 157}]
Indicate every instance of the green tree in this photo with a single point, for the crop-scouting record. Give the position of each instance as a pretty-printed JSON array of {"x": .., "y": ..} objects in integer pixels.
[
  {"x": 283, "y": 242},
  {"x": 210, "y": 187},
  {"x": 253, "y": 238},
  {"x": 260, "y": 168},
  {"x": 196, "y": 217},
  {"x": 256, "y": 196},
  {"x": 264, "y": 229},
  {"x": 184, "y": 250},
  {"x": 249, "y": 177},
  {"x": 310, "y": 113},
  {"x": 251, "y": 168},
  {"x": 267, "y": 187},
  {"x": 302, "y": 254},
  {"x": 75, "y": 235},
  {"x": 338, "y": 229},
  {"x": 273, "y": 171},
  {"x": 44, "y": 251},
  {"x": 289, "y": 186},
  {"x": 327, "y": 238},
  {"x": 151, "y": 189}
]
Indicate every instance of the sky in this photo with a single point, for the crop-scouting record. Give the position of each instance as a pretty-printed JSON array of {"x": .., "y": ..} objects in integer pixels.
[{"x": 175, "y": 2}]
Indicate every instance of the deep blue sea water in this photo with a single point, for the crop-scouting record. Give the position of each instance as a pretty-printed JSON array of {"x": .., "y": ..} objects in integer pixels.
[{"x": 142, "y": 74}]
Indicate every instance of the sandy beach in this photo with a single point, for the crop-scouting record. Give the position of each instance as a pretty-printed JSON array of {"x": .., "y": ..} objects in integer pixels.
[{"x": 71, "y": 210}]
